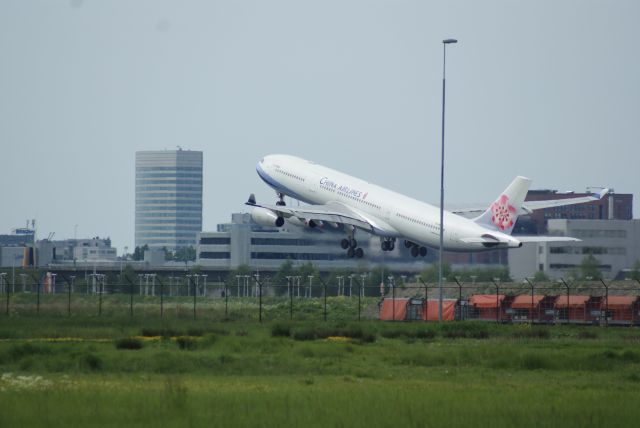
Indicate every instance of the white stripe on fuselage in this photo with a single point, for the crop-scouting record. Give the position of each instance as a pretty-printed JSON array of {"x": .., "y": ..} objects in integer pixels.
[{"x": 412, "y": 219}]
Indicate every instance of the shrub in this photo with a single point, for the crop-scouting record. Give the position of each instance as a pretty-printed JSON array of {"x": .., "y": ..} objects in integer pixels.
[
  {"x": 534, "y": 333},
  {"x": 92, "y": 362},
  {"x": 587, "y": 334},
  {"x": 194, "y": 331},
  {"x": 153, "y": 332},
  {"x": 392, "y": 334},
  {"x": 281, "y": 330},
  {"x": 186, "y": 343},
  {"x": 454, "y": 332},
  {"x": 20, "y": 351},
  {"x": 532, "y": 361},
  {"x": 129, "y": 343},
  {"x": 425, "y": 334},
  {"x": 305, "y": 334},
  {"x": 630, "y": 356}
]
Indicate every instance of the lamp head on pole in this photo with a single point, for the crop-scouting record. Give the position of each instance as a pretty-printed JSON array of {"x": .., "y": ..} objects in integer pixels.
[{"x": 448, "y": 41}]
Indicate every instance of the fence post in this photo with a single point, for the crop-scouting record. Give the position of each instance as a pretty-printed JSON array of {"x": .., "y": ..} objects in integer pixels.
[
  {"x": 393, "y": 301},
  {"x": 568, "y": 300},
  {"x": 426, "y": 299},
  {"x": 130, "y": 294},
  {"x": 532, "y": 293},
  {"x": 259, "y": 297},
  {"x": 100, "y": 290},
  {"x": 226, "y": 300},
  {"x": 455, "y": 278},
  {"x": 38, "y": 294},
  {"x": 359, "y": 293},
  {"x": 290, "y": 286},
  {"x": 606, "y": 303},
  {"x": 161, "y": 297},
  {"x": 194, "y": 297},
  {"x": 497, "y": 300},
  {"x": 68, "y": 292},
  {"x": 9, "y": 292},
  {"x": 324, "y": 292}
]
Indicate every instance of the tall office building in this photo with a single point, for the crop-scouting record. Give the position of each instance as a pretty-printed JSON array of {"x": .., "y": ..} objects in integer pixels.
[{"x": 168, "y": 198}]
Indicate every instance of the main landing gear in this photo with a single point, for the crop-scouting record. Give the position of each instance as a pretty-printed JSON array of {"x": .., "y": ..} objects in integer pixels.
[
  {"x": 351, "y": 245},
  {"x": 416, "y": 250},
  {"x": 280, "y": 201},
  {"x": 387, "y": 244}
]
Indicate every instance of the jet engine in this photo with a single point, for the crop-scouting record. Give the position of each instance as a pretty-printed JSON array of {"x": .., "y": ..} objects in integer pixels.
[{"x": 265, "y": 217}]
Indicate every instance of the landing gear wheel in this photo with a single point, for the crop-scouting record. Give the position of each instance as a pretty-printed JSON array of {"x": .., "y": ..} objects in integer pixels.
[
  {"x": 391, "y": 246},
  {"x": 351, "y": 252},
  {"x": 353, "y": 243},
  {"x": 423, "y": 251},
  {"x": 280, "y": 203},
  {"x": 359, "y": 253},
  {"x": 415, "y": 251},
  {"x": 385, "y": 246},
  {"x": 408, "y": 244},
  {"x": 344, "y": 244}
]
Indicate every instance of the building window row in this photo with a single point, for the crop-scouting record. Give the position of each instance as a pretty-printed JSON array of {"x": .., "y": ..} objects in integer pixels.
[
  {"x": 169, "y": 168},
  {"x": 152, "y": 215},
  {"x": 294, "y": 256},
  {"x": 606, "y": 268},
  {"x": 598, "y": 233},
  {"x": 148, "y": 194},
  {"x": 215, "y": 241},
  {"x": 588, "y": 250},
  {"x": 146, "y": 182},
  {"x": 194, "y": 228},
  {"x": 159, "y": 235},
  {"x": 168, "y": 207},
  {"x": 283, "y": 241},
  {"x": 168, "y": 175},
  {"x": 181, "y": 201},
  {"x": 215, "y": 255},
  {"x": 172, "y": 222},
  {"x": 175, "y": 188}
]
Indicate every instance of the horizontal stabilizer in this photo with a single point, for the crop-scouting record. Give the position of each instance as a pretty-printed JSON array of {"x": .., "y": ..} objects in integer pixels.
[{"x": 546, "y": 239}]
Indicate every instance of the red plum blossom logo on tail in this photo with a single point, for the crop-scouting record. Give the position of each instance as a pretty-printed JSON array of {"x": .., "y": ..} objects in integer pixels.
[{"x": 502, "y": 213}]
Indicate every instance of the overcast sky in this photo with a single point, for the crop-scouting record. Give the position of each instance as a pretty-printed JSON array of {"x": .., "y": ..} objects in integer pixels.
[{"x": 545, "y": 89}]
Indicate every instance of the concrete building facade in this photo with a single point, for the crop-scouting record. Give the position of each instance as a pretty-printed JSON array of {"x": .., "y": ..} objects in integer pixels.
[
  {"x": 242, "y": 242},
  {"x": 614, "y": 243},
  {"x": 168, "y": 198}
]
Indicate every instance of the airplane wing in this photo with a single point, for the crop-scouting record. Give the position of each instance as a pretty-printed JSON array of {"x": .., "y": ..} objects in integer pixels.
[
  {"x": 546, "y": 238},
  {"x": 529, "y": 206},
  {"x": 333, "y": 212}
]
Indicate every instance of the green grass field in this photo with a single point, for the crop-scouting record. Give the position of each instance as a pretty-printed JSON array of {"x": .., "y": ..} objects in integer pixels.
[{"x": 91, "y": 371}]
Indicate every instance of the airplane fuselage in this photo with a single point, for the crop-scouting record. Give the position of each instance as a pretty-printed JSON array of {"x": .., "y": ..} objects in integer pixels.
[{"x": 391, "y": 214}]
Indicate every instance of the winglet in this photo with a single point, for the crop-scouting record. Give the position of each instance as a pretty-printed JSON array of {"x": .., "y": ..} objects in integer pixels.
[
  {"x": 602, "y": 193},
  {"x": 251, "y": 200}
]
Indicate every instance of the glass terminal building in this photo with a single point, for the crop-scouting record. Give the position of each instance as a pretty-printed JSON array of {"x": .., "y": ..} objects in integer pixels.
[{"x": 168, "y": 198}]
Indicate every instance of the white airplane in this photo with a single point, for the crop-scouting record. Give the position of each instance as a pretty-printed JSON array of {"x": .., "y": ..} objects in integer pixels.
[{"x": 336, "y": 199}]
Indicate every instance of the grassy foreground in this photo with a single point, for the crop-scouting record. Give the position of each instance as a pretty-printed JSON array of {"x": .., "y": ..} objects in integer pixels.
[{"x": 93, "y": 371}]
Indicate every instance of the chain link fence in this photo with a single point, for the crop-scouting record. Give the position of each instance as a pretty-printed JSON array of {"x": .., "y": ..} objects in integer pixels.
[{"x": 251, "y": 298}]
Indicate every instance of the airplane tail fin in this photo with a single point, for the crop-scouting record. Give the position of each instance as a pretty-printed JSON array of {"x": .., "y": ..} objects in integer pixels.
[{"x": 503, "y": 213}]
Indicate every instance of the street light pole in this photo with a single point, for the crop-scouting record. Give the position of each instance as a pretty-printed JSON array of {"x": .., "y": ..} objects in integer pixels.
[{"x": 444, "y": 68}]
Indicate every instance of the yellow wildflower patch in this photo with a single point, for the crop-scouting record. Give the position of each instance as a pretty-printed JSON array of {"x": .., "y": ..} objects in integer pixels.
[{"x": 338, "y": 339}]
